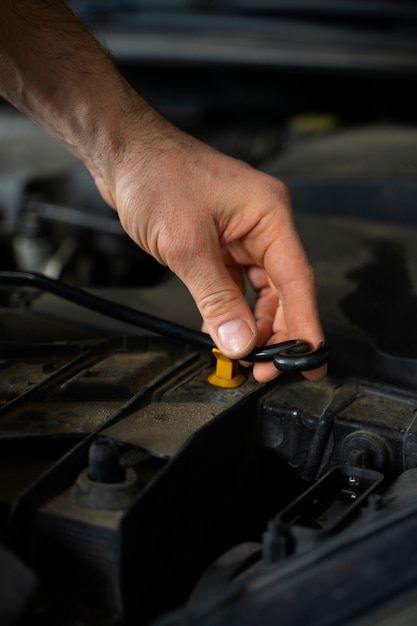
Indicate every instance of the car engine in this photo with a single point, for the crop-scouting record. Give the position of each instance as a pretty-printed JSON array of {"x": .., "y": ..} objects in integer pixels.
[{"x": 133, "y": 491}]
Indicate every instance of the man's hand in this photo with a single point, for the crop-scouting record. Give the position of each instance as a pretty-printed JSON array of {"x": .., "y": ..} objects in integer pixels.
[
  {"x": 208, "y": 217},
  {"x": 212, "y": 219}
]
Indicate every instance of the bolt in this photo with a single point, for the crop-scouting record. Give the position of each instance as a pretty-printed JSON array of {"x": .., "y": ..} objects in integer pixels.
[
  {"x": 357, "y": 458},
  {"x": 275, "y": 544},
  {"x": 103, "y": 462},
  {"x": 375, "y": 502}
]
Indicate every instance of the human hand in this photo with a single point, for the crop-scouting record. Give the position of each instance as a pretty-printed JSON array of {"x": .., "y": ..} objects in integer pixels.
[
  {"x": 211, "y": 219},
  {"x": 208, "y": 217}
]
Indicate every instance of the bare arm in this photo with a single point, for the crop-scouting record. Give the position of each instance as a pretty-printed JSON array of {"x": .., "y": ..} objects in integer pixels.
[{"x": 205, "y": 215}]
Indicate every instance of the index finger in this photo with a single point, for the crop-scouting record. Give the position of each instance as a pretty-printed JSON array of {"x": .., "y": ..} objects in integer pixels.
[{"x": 288, "y": 268}]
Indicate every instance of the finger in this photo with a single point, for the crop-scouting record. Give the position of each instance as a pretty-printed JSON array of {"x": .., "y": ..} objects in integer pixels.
[
  {"x": 288, "y": 269},
  {"x": 264, "y": 372},
  {"x": 267, "y": 306},
  {"x": 289, "y": 276},
  {"x": 236, "y": 274},
  {"x": 226, "y": 314}
]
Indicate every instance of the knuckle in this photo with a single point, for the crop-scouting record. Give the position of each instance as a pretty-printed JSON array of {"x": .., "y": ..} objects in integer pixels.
[{"x": 215, "y": 303}]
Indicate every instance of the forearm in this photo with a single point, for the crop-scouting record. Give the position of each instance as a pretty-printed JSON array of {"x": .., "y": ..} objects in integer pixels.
[{"x": 57, "y": 74}]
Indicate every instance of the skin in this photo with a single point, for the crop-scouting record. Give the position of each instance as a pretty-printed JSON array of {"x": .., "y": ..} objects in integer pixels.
[{"x": 208, "y": 217}]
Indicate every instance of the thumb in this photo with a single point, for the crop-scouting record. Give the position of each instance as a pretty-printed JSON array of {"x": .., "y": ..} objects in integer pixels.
[{"x": 226, "y": 314}]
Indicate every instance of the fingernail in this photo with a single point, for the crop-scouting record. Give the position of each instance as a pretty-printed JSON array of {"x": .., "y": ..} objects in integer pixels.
[{"x": 235, "y": 337}]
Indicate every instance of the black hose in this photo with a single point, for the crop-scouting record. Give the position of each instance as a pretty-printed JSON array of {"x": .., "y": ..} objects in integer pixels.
[{"x": 292, "y": 355}]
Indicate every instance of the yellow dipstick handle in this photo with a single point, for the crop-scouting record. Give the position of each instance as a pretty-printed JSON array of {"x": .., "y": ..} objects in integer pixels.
[{"x": 226, "y": 373}]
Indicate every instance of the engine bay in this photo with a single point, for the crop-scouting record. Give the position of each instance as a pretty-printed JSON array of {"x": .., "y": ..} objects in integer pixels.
[{"x": 132, "y": 490}]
